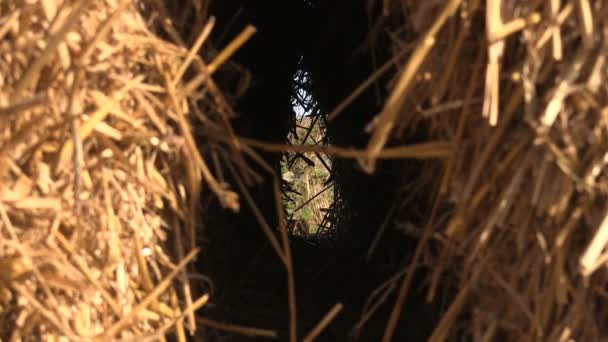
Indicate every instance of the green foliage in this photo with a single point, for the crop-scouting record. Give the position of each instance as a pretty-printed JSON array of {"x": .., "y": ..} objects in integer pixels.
[
  {"x": 321, "y": 173},
  {"x": 305, "y": 214},
  {"x": 306, "y": 179}
]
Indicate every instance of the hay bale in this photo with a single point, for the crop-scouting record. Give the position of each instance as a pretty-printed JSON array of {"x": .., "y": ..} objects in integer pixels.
[
  {"x": 518, "y": 88},
  {"x": 99, "y": 178}
]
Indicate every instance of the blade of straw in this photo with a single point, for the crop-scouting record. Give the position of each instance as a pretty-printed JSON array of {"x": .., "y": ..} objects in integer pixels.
[{"x": 386, "y": 119}]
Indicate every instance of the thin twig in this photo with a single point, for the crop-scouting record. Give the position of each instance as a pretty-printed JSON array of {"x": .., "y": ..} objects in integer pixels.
[{"x": 323, "y": 323}]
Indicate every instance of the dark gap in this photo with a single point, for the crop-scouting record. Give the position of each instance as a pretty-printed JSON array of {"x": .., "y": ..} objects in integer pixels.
[{"x": 308, "y": 56}]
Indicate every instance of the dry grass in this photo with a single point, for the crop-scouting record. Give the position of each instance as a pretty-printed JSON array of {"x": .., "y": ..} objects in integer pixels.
[
  {"x": 97, "y": 221},
  {"x": 310, "y": 190},
  {"x": 523, "y": 107}
]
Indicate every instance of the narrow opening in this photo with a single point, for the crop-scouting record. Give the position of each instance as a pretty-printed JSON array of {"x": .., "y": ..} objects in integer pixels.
[
  {"x": 308, "y": 188},
  {"x": 344, "y": 241}
]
